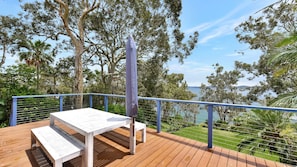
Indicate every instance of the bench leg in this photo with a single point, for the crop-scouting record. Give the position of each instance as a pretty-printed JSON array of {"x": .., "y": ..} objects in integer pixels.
[
  {"x": 83, "y": 159},
  {"x": 144, "y": 135},
  {"x": 33, "y": 141},
  {"x": 58, "y": 163}
]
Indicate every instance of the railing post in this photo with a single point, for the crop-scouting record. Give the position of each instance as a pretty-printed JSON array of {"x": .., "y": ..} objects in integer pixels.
[
  {"x": 159, "y": 108},
  {"x": 91, "y": 101},
  {"x": 106, "y": 103},
  {"x": 13, "y": 115},
  {"x": 210, "y": 124},
  {"x": 61, "y": 102}
]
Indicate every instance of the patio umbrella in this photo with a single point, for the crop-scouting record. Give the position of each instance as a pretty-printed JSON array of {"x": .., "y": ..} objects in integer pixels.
[{"x": 131, "y": 88}]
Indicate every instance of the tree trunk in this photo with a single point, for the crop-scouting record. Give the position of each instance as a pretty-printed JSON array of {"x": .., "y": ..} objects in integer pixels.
[
  {"x": 78, "y": 80},
  {"x": 111, "y": 72},
  {"x": 78, "y": 42},
  {"x": 37, "y": 75}
]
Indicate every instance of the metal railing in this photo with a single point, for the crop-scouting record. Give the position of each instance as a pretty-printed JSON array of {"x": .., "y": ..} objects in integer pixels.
[{"x": 267, "y": 132}]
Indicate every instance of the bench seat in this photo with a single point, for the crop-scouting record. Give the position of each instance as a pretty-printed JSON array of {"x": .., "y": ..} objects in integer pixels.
[
  {"x": 139, "y": 126},
  {"x": 57, "y": 144}
]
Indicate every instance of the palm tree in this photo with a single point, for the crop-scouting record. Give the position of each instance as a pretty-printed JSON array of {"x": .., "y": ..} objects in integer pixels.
[
  {"x": 285, "y": 51},
  {"x": 284, "y": 59},
  {"x": 268, "y": 130},
  {"x": 36, "y": 54}
]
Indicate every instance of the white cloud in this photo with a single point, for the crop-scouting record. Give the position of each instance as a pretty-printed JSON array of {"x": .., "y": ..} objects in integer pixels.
[
  {"x": 209, "y": 25},
  {"x": 200, "y": 28},
  {"x": 194, "y": 73},
  {"x": 218, "y": 48},
  {"x": 218, "y": 32},
  {"x": 226, "y": 24}
]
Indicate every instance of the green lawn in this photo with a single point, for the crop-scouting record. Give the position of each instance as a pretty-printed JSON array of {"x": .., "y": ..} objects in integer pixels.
[{"x": 221, "y": 138}]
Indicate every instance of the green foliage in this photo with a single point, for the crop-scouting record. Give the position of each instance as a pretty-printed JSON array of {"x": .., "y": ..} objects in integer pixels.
[
  {"x": 262, "y": 31},
  {"x": 36, "y": 54},
  {"x": 287, "y": 41},
  {"x": 150, "y": 78},
  {"x": 36, "y": 109},
  {"x": 18, "y": 80},
  {"x": 174, "y": 87},
  {"x": 219, "y": 124},
  {"x": 117, "y": 109},
  {"x": 272, "y": 132},
  {"x": 273, "y": 31},
  {"x": 3, "y": 113},
  {"x": 152, "y": 23},
  {"x": 147, "y": 112},
  {"x": 223, "y": 88},
  {"x": 102, "y": 44},
  {"x": 11, "y": 32},
  {"x": 175, "y": 123},
  {"x": 288, "y": 100},
  {"x": 3, "y": 124}
]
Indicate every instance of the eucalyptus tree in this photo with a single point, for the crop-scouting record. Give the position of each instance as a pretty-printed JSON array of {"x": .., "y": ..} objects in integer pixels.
[
  {"x": 37, "y": 54},
  {"x": 223, "y": 88},
  {"x": 50, "y": 79},
  {"x": 153, "y": 24},
  {"x": 151, "y": 77},
  {"x": 62, "y": 20},
  {"x": 100, "y": 28},
  {"x": 175, "y": 87},
  {"x": 65, "y": 69},
  {"x": 11, "y": 33},
  {"x": 272, "y": 30}
]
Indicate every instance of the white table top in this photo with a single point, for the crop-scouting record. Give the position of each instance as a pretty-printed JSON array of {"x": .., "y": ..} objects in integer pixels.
[{"x": 89, "y": 120}]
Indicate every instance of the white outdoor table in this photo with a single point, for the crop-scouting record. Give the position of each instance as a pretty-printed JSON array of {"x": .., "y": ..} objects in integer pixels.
[{"x": 90, "y": 122}]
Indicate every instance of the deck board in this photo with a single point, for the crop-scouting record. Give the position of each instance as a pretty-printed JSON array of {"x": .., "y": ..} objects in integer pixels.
[
  {"x": 232, "y": 161},
  {"x": 215, "y": 157},
  {"x": 110, "y": 149},
  {"x": 241, "y": 160}
]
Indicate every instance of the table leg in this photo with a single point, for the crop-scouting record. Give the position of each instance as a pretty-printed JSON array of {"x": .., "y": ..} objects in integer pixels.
[
  {"x": 132, "y": 137},
  {"x": 89, "y": 150}
]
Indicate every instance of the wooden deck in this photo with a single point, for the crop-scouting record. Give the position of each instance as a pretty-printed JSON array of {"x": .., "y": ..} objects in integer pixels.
[{"x": 111, "y": 149}]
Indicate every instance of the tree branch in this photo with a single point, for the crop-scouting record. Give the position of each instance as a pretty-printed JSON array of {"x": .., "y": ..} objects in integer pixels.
[
  {"x": 3, "y": 56},
  {"x": 64, "y": 16},
  {"x": 86, "y": 11}
]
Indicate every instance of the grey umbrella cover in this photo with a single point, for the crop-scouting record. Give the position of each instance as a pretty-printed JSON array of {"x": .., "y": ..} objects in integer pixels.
[{"x": 131, "y": 79}]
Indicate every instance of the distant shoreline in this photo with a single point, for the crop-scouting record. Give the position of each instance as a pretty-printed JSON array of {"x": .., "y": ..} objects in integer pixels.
[{"x": 240, "y": 86}]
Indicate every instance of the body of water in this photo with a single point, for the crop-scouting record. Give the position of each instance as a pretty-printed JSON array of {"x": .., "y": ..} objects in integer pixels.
[{"x": 202, "y": 116}]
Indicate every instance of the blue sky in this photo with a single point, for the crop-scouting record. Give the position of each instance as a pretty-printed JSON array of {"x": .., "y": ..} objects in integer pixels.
[{"x": 215, "y": 21}]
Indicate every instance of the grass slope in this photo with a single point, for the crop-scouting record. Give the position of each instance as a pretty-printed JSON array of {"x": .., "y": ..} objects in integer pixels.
[{"x": 221, "y": 138}]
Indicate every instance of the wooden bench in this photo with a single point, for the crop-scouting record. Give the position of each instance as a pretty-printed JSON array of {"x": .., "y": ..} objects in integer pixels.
[
  {"x": 139, "y": 126},
  {"x": 57, "y": 144}
]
